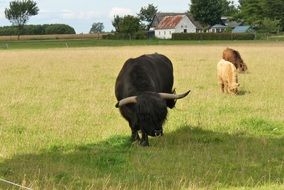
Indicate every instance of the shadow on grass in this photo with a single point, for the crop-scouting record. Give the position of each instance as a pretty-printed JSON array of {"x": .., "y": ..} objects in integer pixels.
[
  {"x": 187, "y": 156},
  {"x": 243, "y": 92}
]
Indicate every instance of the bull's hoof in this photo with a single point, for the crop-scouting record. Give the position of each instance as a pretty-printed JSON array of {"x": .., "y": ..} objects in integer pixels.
[
  {"x": 135, "y": 138},
  {"x": 144, "y": 143}
]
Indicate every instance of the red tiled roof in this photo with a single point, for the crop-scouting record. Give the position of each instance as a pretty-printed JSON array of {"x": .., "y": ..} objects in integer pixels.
[{"x": 169, "y": 22}]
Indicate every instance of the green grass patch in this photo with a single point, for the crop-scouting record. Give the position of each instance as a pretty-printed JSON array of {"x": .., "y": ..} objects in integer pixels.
[
  {"x": 46, "y": 44},
  {"x": 59, "y": 128}
]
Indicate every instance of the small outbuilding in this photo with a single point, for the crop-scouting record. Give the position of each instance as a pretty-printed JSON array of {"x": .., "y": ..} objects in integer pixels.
[
  {"x": 242, "y": 29},
  {"x": 217, "y": 28}
]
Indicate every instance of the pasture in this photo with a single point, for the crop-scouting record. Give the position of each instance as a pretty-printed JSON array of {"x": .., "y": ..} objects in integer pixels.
[{"x": 59, "y": 127}]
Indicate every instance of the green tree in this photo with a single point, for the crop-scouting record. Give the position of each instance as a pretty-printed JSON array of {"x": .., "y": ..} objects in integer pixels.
[
  {"x": 269, "y": 26},
  {"x": 129, "y": 25},
  {"x": 97, "y": 27},
  {"x": 207, "y": 12},
  {"x": 115, "y": 23},
  {"x": 228, "y": 8},
  {"x": 274, "y": 10},
  {"x": 147, "y": 14},
  {"x": 19, "y": 12},
  {"x": 255, "y": 11},
  {"x": 251, "y": 11}
]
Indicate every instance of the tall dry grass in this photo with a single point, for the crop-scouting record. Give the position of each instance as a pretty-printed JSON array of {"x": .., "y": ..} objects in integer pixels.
[
  {"x": 53, "y": 37},
  {"x": 59, "y": 127}
]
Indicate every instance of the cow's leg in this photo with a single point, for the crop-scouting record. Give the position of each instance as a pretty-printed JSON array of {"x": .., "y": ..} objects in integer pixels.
[
  {"x": 144, "y": 141},
  {"x": 226, "y": 87},
  {"x": 221, "y": 83},
  {"x": 222, "y": 87}
]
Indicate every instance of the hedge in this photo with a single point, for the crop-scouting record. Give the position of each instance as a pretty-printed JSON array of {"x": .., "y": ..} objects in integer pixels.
[
  {"x": 140, "y": 35},
  {"x": 213, "y": 36},
  {"x": 37, "y": 30}
]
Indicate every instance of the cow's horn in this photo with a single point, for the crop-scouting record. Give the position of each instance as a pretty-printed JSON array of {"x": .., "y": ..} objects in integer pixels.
[
  {"x": 124, "y": 101},
  {"x": 173, "y": 96}
]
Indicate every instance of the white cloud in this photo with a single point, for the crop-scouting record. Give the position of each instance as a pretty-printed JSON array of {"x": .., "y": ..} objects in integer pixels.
[
  {"x": 120, "y": 12},
  {"x": 2, "y": 15},
  {"x": 81, "y": 15},
  {"x": 69, "y": 15}
]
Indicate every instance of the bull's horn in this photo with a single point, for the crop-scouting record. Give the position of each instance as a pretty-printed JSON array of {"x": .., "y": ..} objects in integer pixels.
[
  {"x": 124, "y": 101},
  {"x": 173, "y": 96}
]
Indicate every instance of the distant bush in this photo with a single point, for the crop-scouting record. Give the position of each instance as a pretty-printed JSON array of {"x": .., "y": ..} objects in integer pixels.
[
  {"x": 140, "y": 35},
  {"x": 58, "y": 29},
  {"x": 213, "y": 36},
  {"x": 8, "y": 30},
  {"x": 116, "y": 36},
  {"x": 37, "y": 30}
]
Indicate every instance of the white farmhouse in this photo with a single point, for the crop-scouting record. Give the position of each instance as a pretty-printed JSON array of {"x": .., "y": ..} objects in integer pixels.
[{"x": 175, "y": 24}]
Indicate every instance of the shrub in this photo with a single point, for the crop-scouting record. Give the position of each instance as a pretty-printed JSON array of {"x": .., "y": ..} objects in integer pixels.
[
  {"x": 58, "y": 29},
  {"x": 8, "y": 30},
  {"x": 140, "y": 35},
  {"x": 213, "y": 36}
]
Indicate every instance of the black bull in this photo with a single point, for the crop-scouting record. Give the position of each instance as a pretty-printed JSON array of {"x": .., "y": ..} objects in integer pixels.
[{"x": 143, "y": 89}]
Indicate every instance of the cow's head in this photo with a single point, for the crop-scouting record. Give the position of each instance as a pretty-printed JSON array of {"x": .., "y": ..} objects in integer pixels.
[
  {"x": 234, "y": 57},
  {"x": 239, "y": 62},
  {"x": 243, "y": 67},
  {"x": 150, "y": 110},
  {"x": 234, "y": 88}
]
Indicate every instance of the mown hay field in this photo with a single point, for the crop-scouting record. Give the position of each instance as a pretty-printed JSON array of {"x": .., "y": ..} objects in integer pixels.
[{"x": 59, "y": 128}]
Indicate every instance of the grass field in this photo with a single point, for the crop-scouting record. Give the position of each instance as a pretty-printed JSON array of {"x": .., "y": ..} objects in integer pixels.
[
  {"x": 84, "y": 42},
  {"x": 59, "y": 128}
]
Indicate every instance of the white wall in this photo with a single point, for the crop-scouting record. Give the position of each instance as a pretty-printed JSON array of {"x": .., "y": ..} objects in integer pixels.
[
  {"x": 185, "y": 23},
  {"x": 164, "y": 33}
]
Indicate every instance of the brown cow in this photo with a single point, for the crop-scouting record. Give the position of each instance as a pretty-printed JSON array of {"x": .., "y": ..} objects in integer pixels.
[
  {"x": 227, "y": 77},
  {"x": 234, "y": 57}
]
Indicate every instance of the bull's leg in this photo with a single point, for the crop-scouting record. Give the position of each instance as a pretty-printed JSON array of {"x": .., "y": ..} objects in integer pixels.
[
  {"x": 134, "y": 133},
  {"x": 144, "y": 141}
]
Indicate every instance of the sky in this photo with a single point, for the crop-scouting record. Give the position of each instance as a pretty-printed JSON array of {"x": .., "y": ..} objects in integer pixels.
[{"x": 82, "y": 14}]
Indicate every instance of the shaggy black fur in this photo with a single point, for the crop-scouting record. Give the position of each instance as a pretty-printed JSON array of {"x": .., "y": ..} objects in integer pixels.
[{"x": 144, "y": 77}]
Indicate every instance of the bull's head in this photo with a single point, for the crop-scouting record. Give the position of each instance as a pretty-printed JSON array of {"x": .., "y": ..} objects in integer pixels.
[
  {"x": 165, "y": 96},
  {"x": 151, "y": 110}
]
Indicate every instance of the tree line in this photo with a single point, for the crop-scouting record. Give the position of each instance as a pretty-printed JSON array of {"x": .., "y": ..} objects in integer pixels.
[
  {"x": 44, "y": 29},
  {"x": 263, "y": 15},
  {"x": 19, "y": 13}
]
